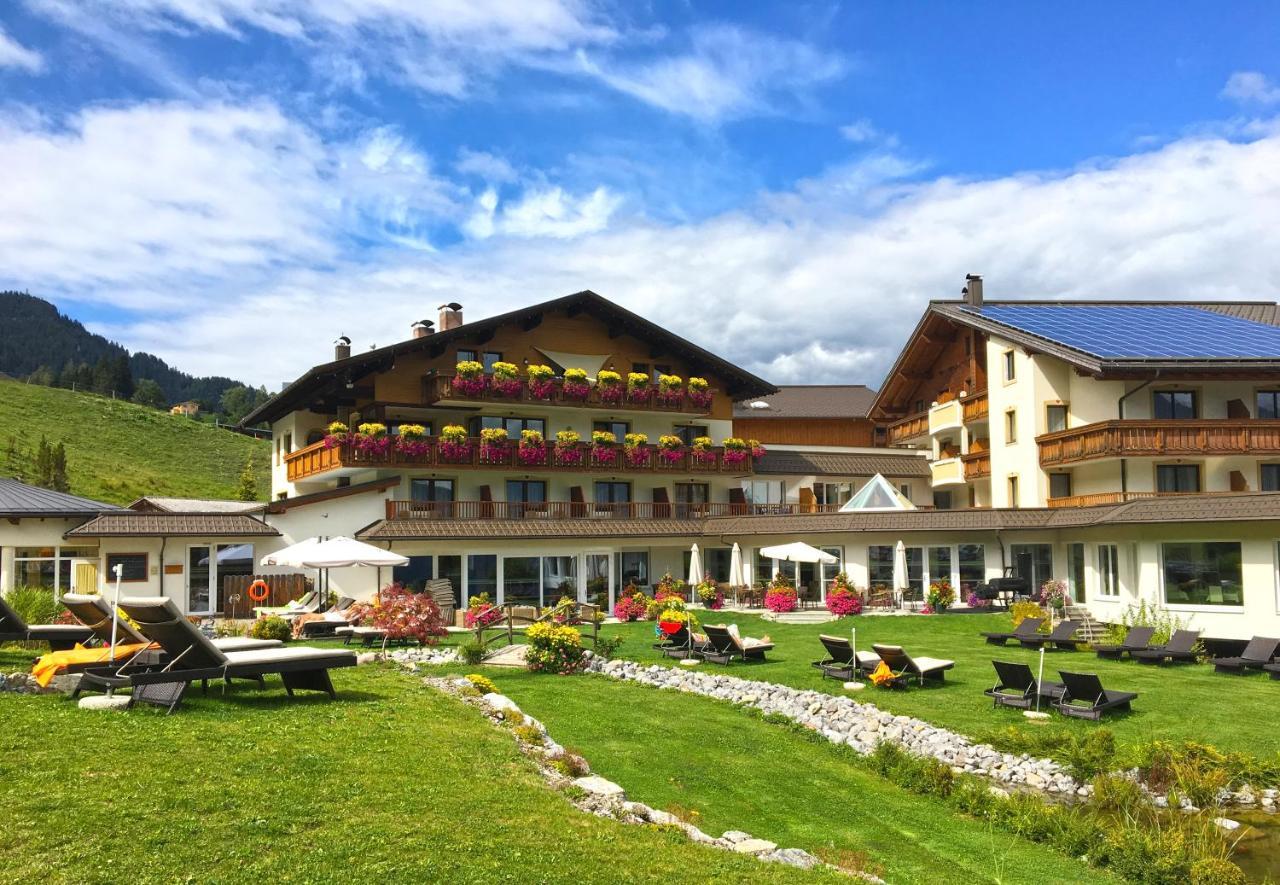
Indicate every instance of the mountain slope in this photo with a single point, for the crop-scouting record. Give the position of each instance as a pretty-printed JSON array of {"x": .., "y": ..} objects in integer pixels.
[{"x": 117, "y": 451}]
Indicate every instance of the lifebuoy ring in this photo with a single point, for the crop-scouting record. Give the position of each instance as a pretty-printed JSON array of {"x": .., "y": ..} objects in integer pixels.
[{"x": 259, "y": 590}]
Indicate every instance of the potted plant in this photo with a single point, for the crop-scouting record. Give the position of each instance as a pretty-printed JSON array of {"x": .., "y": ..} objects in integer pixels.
[
  {"x": 481, "y": 612},
  {"x": 941, "y": 596},
  {"x": 371, "y": 439},
  {"x": 639, "y": 390},
  {"x": 468, "y": 379},
  {"x": 780, "y": 595},
  {"x": 337, "y": 435},
  {"x": 757, "y": 450},
  {"x": 603, "y": 447},
  {"x": 454, "y": 447},
  {"x": 632, "y": 605},
  {"x": 610, "y": 386},
  {"x": 736, "y": 451},
  {"x": 568, "y": 448},
  {"x": 842, "y": 599},
  {"x": 635, "y": 447},
  {"x": 531, "y": 451},
  {"x": 412, "y": 441},
  {"x": 1055, "y": 595},
  {"x": 702, "y": 450},
  {"x": 493, "y": 445},
  {"x": 710, "y": 594},
  {"x": 671, "y": 390},
  {"x": 575, "y": 385},
  {"x": 670, "y": 449},
  {"x": 506, "y": 380},
  {"x": 699, "y": 392},
  {"x": 541, "y": 386}
]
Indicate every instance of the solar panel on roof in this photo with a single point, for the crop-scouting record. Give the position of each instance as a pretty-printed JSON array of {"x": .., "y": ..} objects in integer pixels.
[{"x": 1140, "y": 331}]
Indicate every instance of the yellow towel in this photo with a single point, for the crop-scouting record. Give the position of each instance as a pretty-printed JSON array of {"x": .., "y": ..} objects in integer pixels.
[{"x": 50, "y": 665}]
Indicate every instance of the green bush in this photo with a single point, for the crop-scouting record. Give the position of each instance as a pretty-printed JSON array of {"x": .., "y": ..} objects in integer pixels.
[
  {"x": 571, "y": 765},
  {"x": 1085, "y": 756},
  {"x": 554, "y": 648},
  {"x": 607, "y": 646},
  {"x": 1119, "y": 794},
  {"x": 529, "y": 734},
  {"x": 471, "y": 652},
  {"x": 1188, "y": 770},
  {"x": 1143, "y": 615},
  {"x": 35, "y": 605},
  {"x": 1216, "y": 871},
  {"x": 271, "y": 627}
]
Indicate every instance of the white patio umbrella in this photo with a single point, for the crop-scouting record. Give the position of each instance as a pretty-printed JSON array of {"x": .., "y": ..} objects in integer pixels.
[
  {"x": 797, "y": 551},
  {"x": 899, "y": 567},
  {"x": 737, "y": 576},
  {"x": 339, "y": 552},
  {"x": 695, "y": 568}
]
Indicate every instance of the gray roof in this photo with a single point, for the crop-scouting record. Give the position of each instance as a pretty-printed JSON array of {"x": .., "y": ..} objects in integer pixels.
[
  {"x": 408, "y": 529},
  {"x": 196, "y": 505},
  {"x": 798, "y": 463},
  {"x": 811, "y": 401},
  {"x": 130, "y": 524},
  {"x": 17, "y": 499}
]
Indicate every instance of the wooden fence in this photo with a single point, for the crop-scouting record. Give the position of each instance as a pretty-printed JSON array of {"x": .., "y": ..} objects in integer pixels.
[{"x": 233, "y": 595}]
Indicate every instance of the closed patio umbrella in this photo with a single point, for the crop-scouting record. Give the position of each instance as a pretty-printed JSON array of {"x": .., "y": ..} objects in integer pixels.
[
  {"x": 695, "y": 570},
  {"x": 737, "y": 577},
  {"x": 900, "y": 577}
]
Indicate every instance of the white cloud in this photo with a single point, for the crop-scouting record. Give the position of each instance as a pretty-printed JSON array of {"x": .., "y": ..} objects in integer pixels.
[
  {"x": 860, "y": 131},
  {"x": 551, "y": 212},
  {"x": 14, "y": 55},
  {"x": 486, "y": 166},
  {"x": 1251, "y": 87}
]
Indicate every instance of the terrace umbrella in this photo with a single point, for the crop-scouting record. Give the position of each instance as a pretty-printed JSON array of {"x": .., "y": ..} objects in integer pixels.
[
  {"x": 695, "y": 570},
  {"x": 339, "y": 552},
  {"x": 900, "y": 576},
  {"x": 736, "y": 577},
  {"x": 797, "y": 551}
]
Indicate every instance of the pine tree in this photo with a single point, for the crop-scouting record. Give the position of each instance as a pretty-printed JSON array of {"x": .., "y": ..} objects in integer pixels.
[
  {"x": 58, "y": 469},
  {"x": 148, "y": 393},
  {"x": 44, "y": 464},
  {"x": 248, "y": 488}
]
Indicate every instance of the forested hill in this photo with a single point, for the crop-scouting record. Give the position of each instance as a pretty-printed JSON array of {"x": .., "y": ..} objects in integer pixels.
[{"x": 39, "y": 343}]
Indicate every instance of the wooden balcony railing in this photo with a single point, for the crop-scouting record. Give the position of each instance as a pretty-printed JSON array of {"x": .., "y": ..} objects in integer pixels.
[
  {"x": 444, "y": 388},
  {"x": 975, "y": 407},
  {"x": 977, "y": 465},
  {"x": 908, "y": 428},
  {"x": 589, "y": 510},
  {"x": 1098, "y": 499},
  {"x": 1160, "y": 438},
  {"x": 473, "y": 455}
]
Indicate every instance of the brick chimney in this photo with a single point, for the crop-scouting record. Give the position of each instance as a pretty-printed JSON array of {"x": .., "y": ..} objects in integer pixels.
[
  {"x": 342, "y": 348},
  {"x": 422, "y": 328},
  {"x": 450, "y": 316},
  {"x": 972, "y": 290}
]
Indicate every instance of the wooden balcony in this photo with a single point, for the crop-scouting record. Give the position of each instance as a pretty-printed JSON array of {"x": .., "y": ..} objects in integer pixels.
[
  {"x": 318, "y": 459},
  {"x": 977, "y": 465},
  {"x": 909, "y": 428},
  {"x": 444, "y": 389},
  {"x": 1160, "y": 438},
  {"x": 588, "y": 510},
  {"x": 976, "y": 407}
]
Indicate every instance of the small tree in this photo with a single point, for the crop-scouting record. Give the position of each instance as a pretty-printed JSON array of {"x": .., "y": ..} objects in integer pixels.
[
  {"x": 149, "y": 393},
  {"x": 248, "y": 488},
  {"x": 58, "y": 480},
  {"x": 44, "y": 464}
]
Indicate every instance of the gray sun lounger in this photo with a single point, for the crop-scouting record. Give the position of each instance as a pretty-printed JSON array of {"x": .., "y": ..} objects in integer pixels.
[
  {"x": 1180, "y": 647},
  {"x": 95, "y": 613},
  {"x": 1026, "y": 627},
  {"x": 1060, "y": 638},
  {"x": 1085, "y": 698},
  {"x": 1016, "y": 687},
  {"x": 904, "y": 665},
  {"x": 1136, "y": 639},
  {"x": 60, "y": 637},
  {"x": 840, "y": 662},
  {"x": 1256, "y": 655},
  {"x": 722, "y": 647}
]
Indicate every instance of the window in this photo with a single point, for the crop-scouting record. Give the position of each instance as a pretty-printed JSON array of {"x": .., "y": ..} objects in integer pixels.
[
  {"x": 52, "y": 568},
  {"x": 619, "y": 429},
  {"x": 512, "y": 426},
  {"x": 905, "y": 488},
  {"x": 715, "y": 564},
  {"x": 613, "y": 492},
  {"x": 640, "y": 369},
  {"x": 527, "y": 491},
  {"x": 660, "y": 369},
  {"x": 1268, "y": 404},
  {"x": 829, "y": 569},
  {"x": 1075, "y": 571},
  {"x": 919, "y": 406},
  {"x": 942, "y": 500},
  {"x": 559, "y": 578},
  {"x": 482, "y": 575},
  {"x": 465, "y": 356},
  {"x": 1271, "y": 477},
  {"x": 832, "y": 494},
  {"x": 134, "y": 566},
  {"x": 1059, "y": 485},
  {"x": 764, "y": 491},
  {"x": 633, "y": 566},
  {"x": 1174, "y": 404},
  {"x": 1011, "y": 426},
  {"x": 880, "y": 566},
  {"x": 450, "y": 568},
  {"x": 691, "y": 497},
  {"x": 487, "y": 359},
  {"x": 1055, "y": 418},
  {"x": 1010, "y": 366},
  {"x": 415, "y": 574},
  {"x": 1202, "y": 573},
  {"x": 915, "y": 573},
  {"x": 431, "y": 489},
  {"x": 973, "y": 566},
  {"x": 1033, "y": 562},
  {"x": 1174, "y": 478},
  {"x": 689, "y": 432},
  {"x": 522, "y": 580},
  {"x": 765, "y": 568},
  {"x": 1108, "y": 570},
  {"x": 1013, "y": 491},
  {"x": 939, "y": 563},
  {"x": 288, "y": 443}
]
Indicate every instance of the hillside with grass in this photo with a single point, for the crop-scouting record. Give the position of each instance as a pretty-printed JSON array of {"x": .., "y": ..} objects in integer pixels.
[{"x": 117, "y": 451}]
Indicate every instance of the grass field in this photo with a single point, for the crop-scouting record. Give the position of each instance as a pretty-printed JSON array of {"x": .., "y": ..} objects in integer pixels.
[{"x": 117, "y": 451}]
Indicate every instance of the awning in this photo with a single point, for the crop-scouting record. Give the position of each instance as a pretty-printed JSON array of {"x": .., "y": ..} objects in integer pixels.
[{"x": 591, "y": 363}]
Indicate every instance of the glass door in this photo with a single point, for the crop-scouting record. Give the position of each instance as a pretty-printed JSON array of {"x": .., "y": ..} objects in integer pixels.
[
  {"x": 1033, "y": 562},
  {"x": 199, "y": 575},
  {"x": 597, "y": 586}
]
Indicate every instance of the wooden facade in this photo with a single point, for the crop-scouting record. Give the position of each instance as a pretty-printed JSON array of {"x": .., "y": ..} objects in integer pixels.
[
  {"x": 807, "y": 431},
  {"x": 941, "y": 358},
  {"x": 1181, "y": 438}
]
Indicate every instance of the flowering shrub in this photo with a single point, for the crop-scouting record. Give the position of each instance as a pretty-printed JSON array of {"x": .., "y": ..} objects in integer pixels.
[
  {"x": 481, "y": 612},
  {"x": 669, "y": 600},
  {"x": 670, "y": 390},
  {"x": 1055, "y": 594},
  {"x": 631, "y": 607},
  {"x": 609, "y": 384},
  {"x": 699, "y": 393},
  {"x": 780, "y": 597},
  {"x": 454, "y": 445},
  {"x": 757, "y": 450},
  {"x": 566, "y": 611},
  {"x": 506, "y": 380},
  {"x": 469, "y": 378},
  {"x": 1020, "y": 611},
  {"x": 403, "y": 614},
  {"x": 711, "y": 595},
  {"x": 540, "y": 384},
  {"x": 670, "y": 619},
  {"x": 554, "y": 648},
  {"x": 575, "y": 385},
  {"x": 941, "y": 596},
  {"x": 702, "y": 450},
  {"x": 638, "y": 389},
  {"x": 670, "y": 448},
  {"x": 271, "y": 627},
  {"x": 493, "y": 444},
  {"x": 412, "y": 440},
  {"x": 337, "y": 435},
  {"x": 842, "y": 599},
  {"x": 735, "y": 450},
  {"x": 482, "y": 683},
  {"x": 975, "y": 601},
  {"x": 568, "y": 447},
  {"x": 371, "y": 438},
  {"x": 532, "y": 448},
  {"x": 635, "y": 447},
  {"x": 603, "y": 443}
]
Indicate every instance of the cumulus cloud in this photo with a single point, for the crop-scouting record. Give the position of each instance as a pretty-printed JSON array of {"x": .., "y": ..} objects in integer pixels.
[
  {"x": 1251, "y": 87},
  {"x": 14, "y": 55},
  {"x": 543, "y": 212},
  {"x": 485, "y": 166}
]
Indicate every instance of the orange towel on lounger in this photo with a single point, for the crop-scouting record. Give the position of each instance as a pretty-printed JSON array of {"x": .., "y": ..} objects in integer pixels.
[{"x": 50, "y": 665}]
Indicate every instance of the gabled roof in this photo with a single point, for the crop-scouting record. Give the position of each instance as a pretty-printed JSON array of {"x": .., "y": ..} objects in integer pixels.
[
  {"x": 129, "y": 523},
  {"x": 889, "y": 462},
  {"x": 280, "y": 505},
  {"x": 810, "y": 401},
  {"x": 17, "y": 500},
  {"x": 159, "y": 504},
  {"x": 468, "y": 529},
  {"x": 739, "y": 383}
]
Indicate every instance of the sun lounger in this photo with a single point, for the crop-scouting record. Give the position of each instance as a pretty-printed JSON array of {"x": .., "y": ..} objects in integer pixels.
[
  {"x": 840, "y": 662},
  {"x": 327, "y": 624},
  {"x": 724, "y": 644},
  {"x": 1026, "y": 627},
  {"x": 306, "y": 604},
  {"x": 1016, "y": 687},
  {"x": 1180, "y": 647},
  {"x": 95, "y": 613},
  {"x": 903, "y": 664},
  {"x": 1256, "y": 655},
  {"x": 192, "y": 657},
  {"x": 1137, "y": 639},
  {"x": 681, "y": 645},
  {"x": 1060, "y": 638},
  {"x": 61, "y": 637},
  {"x": 1085, "y": 698}
]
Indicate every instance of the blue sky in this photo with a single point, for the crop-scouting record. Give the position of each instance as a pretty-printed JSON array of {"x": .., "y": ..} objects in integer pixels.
[{"x": 787, "y": 184}]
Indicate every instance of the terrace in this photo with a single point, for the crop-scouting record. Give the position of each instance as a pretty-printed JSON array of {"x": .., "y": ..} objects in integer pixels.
[
  {"x": 557, "y": 510},
  {"x": 444, "y": 389},
  {"x": 1159, "y": 438}
]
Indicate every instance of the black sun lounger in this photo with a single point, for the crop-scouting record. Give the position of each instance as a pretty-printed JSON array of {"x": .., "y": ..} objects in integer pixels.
[
  {"x": 904, "y": 664},
  {"x": 680, "y": 644},
  {"x": 1137, "y": 639},
  {"x": 1060, "y": 638},
  {"x": 1026, "y": 627},
  {"x": 722, "y": 646},
  {"x": 95, "y": 613},
  {"x": 1085, "y": 698},
  {"x": 1016, "y": 687},
  {"x": 328, "y": 623},
  {"x": 191, "y": 657},
  {"x": 60, "y": 637},
  {"x": 1256, "y": 655},
  {"x": 1180, "y": 647},
  {"x": 840, "y": 661}
]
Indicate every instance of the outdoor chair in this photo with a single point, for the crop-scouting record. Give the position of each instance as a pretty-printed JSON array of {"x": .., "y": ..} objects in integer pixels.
[
  {"x": 903, "y": 664},
  {"x": 1256, "y": 655},
  {"x": 841, "y": 662},
  {"x": 1060, "y": 638},
  {"x": 724, "y": 644},
  {"x": 1180, "y": 647},
  {"x": 328, "y": 623},
  {"x": 1026, "y": 627},
  {"x": 61, "y": 637},
  {"x": 95, "y": 613},
  {"x": 1016, "y": 687},
  {"x": 1137, "y": 639},
  {"x": 306, "y": 604},
  {"x": 191, "y": 657},
  {"x": 1085, "y": 698},
  {"x": 681, "y": 644}
]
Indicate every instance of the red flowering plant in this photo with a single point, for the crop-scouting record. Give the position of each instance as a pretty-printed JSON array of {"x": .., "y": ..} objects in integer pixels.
[
  {"x": 639, "y": 390},
  {"x": 454, "y": 446},
  {"x": 631, "y": 605},
  {"x": 371, "y": 439},
  {"x": 412, "y": 440},
  {"x": 403, "y": 614},
  {"x": 493, "y": 445},
  {"x": 540, "y": 384},
  {"x": 670, "y": 449},
  {"x": 469, "y": 379},
  {"x": 568, "y": 447},
  {"x": 842, "y": 599},
  {"x": 604, "y": 447},
  {"x": 635, "y": 448},
  {"x": 699, "y": 392},
  {"x": 780, "y": 595},
  {"x": 506, "y": 380},
  {"x": 338, "y": 433},
  {"x": 735, "y": 451},
  {"x": 532, "y": 448},
  {"x": 670, "y": 390},
  {"x": 757, "y": 450},
  {"x": 566, "y": 610},
  {"x": 481, "y": 612},
  {"x": 575, "y": 386},
  {"x": 703, "y": 450},
  {"x": 609, "y": 384}
]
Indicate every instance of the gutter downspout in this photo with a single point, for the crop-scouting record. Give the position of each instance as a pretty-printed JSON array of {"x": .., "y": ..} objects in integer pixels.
[{"x": 1124, "y": 464}]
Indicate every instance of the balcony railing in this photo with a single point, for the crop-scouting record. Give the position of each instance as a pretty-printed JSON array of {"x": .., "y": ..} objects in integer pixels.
[
  {"x": 534, "y": 510},
  {"x": 977, "y": 465},
  {"x": 1160, "y": 438},
  {"x": 474, "y": 455},
  {"x": 448, "y": 388},
  {"x": 908, "y": 428},
  {"x": 947, "y": 472},
  {"x": 976, "y": 407}
]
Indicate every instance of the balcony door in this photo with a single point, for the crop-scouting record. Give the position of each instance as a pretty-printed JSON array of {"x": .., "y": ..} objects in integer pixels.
[
  {"x": 597, "y": 579},
  {"x": 431, "y": 496},
  {"x": 1033, "y": 562}
]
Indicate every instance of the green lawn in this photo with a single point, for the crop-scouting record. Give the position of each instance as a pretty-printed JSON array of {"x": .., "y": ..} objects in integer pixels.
[
  {"x": 391, "y": 783},
  {"x": 117, "y": 451},
  {"x": 1188, "y": 702}
]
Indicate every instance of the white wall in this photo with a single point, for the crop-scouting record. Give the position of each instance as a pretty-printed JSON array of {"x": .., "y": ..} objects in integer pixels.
[{"x": 33, "y": 532}]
